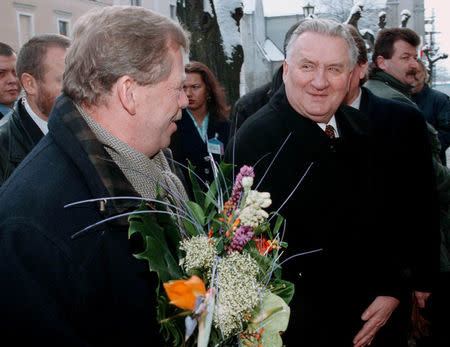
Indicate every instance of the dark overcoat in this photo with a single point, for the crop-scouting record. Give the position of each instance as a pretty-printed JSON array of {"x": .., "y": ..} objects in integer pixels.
[
  {"x": 55, "y": 290},
  {"x": 18, "y": 135},
  {"x": 333, "y": 209}
]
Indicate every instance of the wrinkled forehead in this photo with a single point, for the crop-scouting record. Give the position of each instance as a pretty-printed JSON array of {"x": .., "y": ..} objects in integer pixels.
[{"x": 331, "y": 49}]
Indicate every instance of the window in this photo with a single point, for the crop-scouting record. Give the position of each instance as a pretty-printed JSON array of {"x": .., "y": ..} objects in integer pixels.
[
  {"x": 135, "y": 2},
  {"x": 25, "y": 22},
  {"x": 63, "y": 27}
]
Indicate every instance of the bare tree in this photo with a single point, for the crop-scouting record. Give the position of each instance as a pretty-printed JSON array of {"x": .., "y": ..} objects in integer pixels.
[{"x": 215, "y": 38}]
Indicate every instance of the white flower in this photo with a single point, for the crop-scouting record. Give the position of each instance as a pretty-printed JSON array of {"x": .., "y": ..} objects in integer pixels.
[
  {"x": 253, "y": 214},
  {"x": 199, "y": 254},
  {"x": 237, "y": 290},
  {"x": 247, "y": 182}
]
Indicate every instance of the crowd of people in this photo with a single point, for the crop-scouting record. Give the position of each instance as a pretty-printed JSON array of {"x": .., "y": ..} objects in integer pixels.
[{"x": 352, "y": 152}]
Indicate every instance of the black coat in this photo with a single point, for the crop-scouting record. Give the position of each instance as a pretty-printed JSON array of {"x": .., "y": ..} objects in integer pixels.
[
  {"x": 55, "y": 290},
  {"x": 18, "y": 135},
  {"x": 435, "y": 106},
  {"x": 251, "y": 102},
  {"x": 332, "y": 209},
  {"x": 401, "y": 143},
  {"x": 186, "y": 144}
]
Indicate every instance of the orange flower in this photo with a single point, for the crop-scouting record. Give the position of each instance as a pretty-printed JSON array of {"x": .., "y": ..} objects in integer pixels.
[
  {"x": 182, "y": 293},
  {"x": 262, "y": 244}
]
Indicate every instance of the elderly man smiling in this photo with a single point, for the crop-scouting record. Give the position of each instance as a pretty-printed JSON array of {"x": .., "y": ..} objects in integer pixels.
[{"x": 347, "y": 286}]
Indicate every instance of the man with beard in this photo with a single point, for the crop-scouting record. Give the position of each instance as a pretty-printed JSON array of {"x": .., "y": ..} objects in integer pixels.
[
  {"x": 40, "y": 66},
  {"x": 9, "y": 83}
]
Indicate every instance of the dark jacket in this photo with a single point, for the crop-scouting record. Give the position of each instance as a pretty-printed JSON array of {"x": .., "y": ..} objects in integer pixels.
[
  {"x": 400, "y": 138},
  {"x": 332, "y": 209},
  {"x": 186, "y": 144},
  {"x": 254, "y": 100},
  {"x": 87, "y": 291},
  {"x": 393, "y": 89},
  {"x": 435, "y": 106},
  {"x": 18, "y": 135}
]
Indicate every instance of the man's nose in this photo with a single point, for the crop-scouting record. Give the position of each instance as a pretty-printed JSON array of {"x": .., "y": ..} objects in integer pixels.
[
  {"x": 320, "y": 80},
  {"x": 183, "y": 100},
  {"x": 12, "y": 78},
  {"x": 414, "y": 64}
]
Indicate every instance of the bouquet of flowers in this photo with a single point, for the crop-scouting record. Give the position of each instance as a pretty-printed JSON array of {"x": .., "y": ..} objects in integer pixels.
[{"x": 220, "y": 268}]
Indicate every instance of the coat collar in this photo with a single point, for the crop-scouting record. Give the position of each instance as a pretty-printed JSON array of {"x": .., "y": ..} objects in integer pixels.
[
  {"x": 102, "y": 176},
  {"x": 392, "y": 82}
]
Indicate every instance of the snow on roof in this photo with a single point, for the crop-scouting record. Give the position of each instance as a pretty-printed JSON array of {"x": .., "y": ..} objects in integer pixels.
[
  {"x": 249, "y": 6},
  {"x": 227, "y": 25},
  {"x": 273, "y": 8},
  {"x": 405, "y": 12},
  {"x": 207, "y": 7},
  {"x": 272, "y": 51}
]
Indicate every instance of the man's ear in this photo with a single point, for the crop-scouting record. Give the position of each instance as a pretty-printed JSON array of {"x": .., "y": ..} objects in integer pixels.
[
  {"x": 126, "y": 89},
  {"x": 29, "y": 84},
  {"x": 381, "y": 62},
  {"x": 363, "y": 70},
  {"x": 285, "y": 70}
]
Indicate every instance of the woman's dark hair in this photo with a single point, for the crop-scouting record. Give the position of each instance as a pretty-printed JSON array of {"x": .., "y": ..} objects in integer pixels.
[{"x": 216, "y": 100}]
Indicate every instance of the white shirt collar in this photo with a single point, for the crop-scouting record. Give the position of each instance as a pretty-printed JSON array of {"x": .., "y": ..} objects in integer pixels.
[
  {"x": 332, "y": 122},
  {"x": 42, "y": 124},
  {"x": 357, "y": 102}
]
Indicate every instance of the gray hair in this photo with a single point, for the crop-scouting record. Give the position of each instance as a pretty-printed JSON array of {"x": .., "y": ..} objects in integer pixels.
[
  {"x": 115, "y": 41},
  {"x": 326, "y": 27},
  {"x": 32, "y": 54}
]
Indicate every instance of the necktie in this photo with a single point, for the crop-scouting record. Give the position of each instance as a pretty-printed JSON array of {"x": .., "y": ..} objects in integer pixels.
[{"x": 329, "y": 130}]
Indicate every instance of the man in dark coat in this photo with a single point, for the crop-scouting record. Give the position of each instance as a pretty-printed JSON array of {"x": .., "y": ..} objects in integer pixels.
[
  {"x": 399, "y": 138},
  {"x": 435, "y": 106},
  {"x": 122, "y": 92},
  {"x": 40, "y": 66},
  {"x": 321, "y": 152}
]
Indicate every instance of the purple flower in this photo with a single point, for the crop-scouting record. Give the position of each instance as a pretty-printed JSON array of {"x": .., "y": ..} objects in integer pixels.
[
  {"x": 242, "y": 235},
  {"x": 246, "y": 171}
]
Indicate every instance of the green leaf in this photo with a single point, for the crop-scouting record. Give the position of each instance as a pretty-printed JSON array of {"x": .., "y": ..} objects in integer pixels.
[
  {"x": 190, "y": 228},
  {"x": 278, "y": 223},
  {"x": 159, "y": 251},
  {"x": 196, "y": 212},
  {"x": 198, "y": 193},
  {"x": 221, "y": 182},
  {"x": 284, "y": 289},
  {"x": 275, "y": 318}
]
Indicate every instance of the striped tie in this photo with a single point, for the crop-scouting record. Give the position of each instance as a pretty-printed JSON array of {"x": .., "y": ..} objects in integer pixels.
[{"x": 329, "y": 130}]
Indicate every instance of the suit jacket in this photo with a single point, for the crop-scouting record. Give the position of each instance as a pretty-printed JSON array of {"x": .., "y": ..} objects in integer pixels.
[
  {"x": 331, "y": 209},
  {"x": 18, "y": 135},
  {"x": 59, "y": 291},
  {"x": 186, "y": 144}
]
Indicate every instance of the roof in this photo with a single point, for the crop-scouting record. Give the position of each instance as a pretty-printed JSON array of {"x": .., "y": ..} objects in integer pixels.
[{"x": 272, "y": 51}]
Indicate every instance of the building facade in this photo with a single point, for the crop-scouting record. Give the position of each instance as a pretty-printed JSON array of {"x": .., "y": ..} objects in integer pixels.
[{"x": 22, "y": 19}]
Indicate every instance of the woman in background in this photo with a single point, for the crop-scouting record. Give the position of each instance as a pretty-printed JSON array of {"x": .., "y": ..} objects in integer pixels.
[{"x": 204, "y": 126}]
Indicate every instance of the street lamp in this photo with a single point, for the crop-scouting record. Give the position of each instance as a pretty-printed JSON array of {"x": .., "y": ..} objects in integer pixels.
[{"x": 308, "y": 11}]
